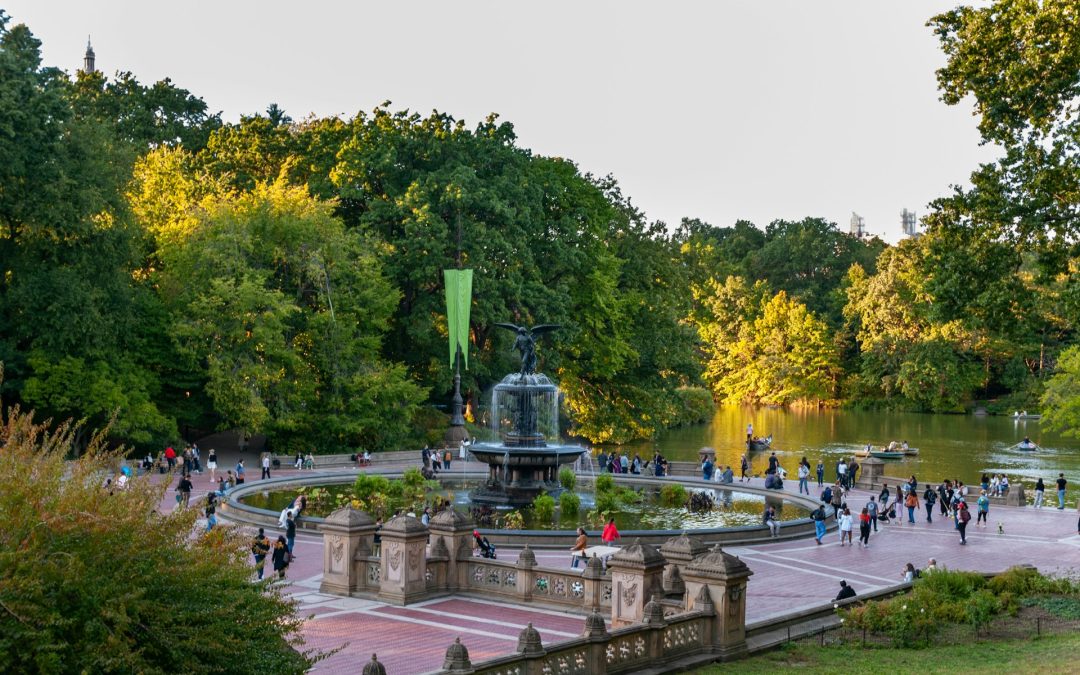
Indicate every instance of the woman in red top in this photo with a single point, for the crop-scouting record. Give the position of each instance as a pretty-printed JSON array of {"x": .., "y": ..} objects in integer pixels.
[
  {"x": 864, "y": 528},
  {"x": 611, "y": 533}
]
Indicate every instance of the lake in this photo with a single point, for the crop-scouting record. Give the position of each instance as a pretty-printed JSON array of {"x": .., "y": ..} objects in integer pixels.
[{"x": 950, "y": 446}]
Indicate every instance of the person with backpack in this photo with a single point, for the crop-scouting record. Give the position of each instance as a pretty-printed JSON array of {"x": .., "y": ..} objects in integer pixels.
[
  {"x": 259, "y": 548},
  {"x": 912, "y": 503},
  {"x": 864, "y": 528},
  {"x": 930, "y": 497},
  {"x": 962, "y": 521},
  {"x": 872, "y": 509},
  {"x": 240, "y": 472}
]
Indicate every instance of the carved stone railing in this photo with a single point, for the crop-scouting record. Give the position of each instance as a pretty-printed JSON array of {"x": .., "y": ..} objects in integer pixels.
[{"x": 537, "y": 584}]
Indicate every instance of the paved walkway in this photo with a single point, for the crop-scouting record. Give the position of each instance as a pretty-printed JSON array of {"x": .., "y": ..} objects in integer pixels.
[{"x": 787, "y": 576}]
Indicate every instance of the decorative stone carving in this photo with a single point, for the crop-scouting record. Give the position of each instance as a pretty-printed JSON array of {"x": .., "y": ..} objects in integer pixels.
[
  {"x": 594, "y": 626},
  {"x": 457, "y": 657},
  {"x": 716, "y": 581},
  {"x": 347, "y": 536},
  {"x": 373, "y": 667},
  {"x": 529, "y": 641},
  {"x": 636, "y": 573},
  {"x": 404, "y": 572}
]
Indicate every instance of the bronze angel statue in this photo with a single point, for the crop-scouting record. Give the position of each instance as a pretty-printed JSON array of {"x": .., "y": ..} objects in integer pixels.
[{"x": 526, "y": 343}]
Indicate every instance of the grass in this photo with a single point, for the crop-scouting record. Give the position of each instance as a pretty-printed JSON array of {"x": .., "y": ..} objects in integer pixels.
[{"x": 1052, "y": 654}]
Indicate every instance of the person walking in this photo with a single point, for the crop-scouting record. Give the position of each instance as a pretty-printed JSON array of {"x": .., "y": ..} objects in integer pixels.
[
  {"x": 577, "y": 551},
  {"x": 845, "y": 527},
  {"x": 962, "y": 521},
  {"x": 872, "y": 509},
  {"x": 943, "y": 497},
  {"x": 984, "y": 510},
  {"x": 820, "y": 473},
  {"x": 1061, "y": 483},
  {"x": 883, "y": 497},
  {"x": 196, "y": 459},
  {"x": 841, "y": 473},
  {"x": 912, "y": 504},
  {"x": 259, "y": 548},
  {"x": 611, "y": 533},
  {"x": 280, "y": 557},
  {"x": 744, "y": 468},
  {"x": 804, "y": 477},
  {"x": 930, "y": 496},
  {"x": 864, "y": 528},
  {"x": 184, "y": 488},
  {"x": 818, "y": 516},
  {"x": 211, "y": 463},
  {"x": 240, "y": 472},
  {"x": 265, "y": 466},
  {"x": 1040, "y": 490},
  {"x": 290, "y": 532}
]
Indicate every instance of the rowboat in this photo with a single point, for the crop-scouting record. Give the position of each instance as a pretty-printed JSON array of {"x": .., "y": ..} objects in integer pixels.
[
  {"x": 1026, "y": 447},
  {"x": 887, "y": 454},
  {"x": 911, "y": 452},
  {"x": 1025, "y": 416},
  {"x": 759, "y": 444}
]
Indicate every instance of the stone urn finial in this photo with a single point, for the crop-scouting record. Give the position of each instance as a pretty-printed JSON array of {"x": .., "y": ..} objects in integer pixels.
[
  {"x": 526, "y": 558},
  {"x": 373, "y": 667},
  {"x": 653, "y": 612},
  {"x": 529, "y": 641},
  {"x": 595, "y": 626},
  {"x": 457, "y": 657}
]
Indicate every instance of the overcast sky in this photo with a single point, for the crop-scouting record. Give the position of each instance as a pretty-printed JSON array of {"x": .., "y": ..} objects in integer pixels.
[{"x": 721, "y": 110}]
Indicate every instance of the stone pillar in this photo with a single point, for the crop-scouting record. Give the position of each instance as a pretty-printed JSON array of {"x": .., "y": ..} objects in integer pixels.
[
  {"x": 724, "y": 577},
  {"x": 596, "y": 634},
  {"x": 455, "y": 529},
  {"x": 373, "y": 667},
  {"x": 592, "y": 578},
  {"x": 679, "y": 551},
  {"x": 871, "y": 473},
  {"x": 404, "y": 564},
  {"x": 457, "y": 659},
  {"x": 347, "y": 535},
  {"x": 636, "y": 573},
  {"x": 532, "y": 648},
  {"x": 525, "y": 578}
]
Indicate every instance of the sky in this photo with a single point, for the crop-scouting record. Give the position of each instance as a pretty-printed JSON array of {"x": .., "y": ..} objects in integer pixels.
[{"x": 756, "y": 110}]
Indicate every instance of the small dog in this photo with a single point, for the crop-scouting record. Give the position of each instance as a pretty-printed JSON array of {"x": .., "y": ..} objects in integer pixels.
[{"x": 1001, "y": 528}]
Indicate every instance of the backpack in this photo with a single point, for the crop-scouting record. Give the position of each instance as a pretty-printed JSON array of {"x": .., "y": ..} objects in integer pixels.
[
  {"x": 930, "y": 497},
  {"x": 965, "y": 515}
]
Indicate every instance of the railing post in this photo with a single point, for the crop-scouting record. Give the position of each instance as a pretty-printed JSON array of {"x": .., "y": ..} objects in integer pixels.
[
  {"x": 596, "y": 634},
  {"x": 525, "y": 576},
  {"x": 347, "y": 537},
  {"x": 593, "y": 581}
]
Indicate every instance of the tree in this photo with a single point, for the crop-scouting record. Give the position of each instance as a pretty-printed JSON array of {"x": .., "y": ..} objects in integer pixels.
[
  {"x": 284, "y": 311},
  {"x": 1061, "y": 400},
  {"x": 97, "y": 580}
]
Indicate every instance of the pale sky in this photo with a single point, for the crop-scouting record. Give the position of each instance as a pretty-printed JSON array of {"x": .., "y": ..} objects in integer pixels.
[{"x": 716, "y": 110}]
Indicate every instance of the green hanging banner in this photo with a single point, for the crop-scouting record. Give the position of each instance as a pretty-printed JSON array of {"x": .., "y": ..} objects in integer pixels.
[{"x": 458, "y": 303}]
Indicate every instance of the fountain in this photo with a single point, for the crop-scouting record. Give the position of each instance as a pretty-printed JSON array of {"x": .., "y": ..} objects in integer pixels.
[{"x": 524, "y": 414}]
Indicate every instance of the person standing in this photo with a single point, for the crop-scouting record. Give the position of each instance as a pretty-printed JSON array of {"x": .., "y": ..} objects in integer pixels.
[
  {"x": 1040, "y": 490},
  {"x": 750, "y": 431},
  {"x": 211, "y": 463},
  {"x": 818, "y": 516},
  {"x": 804, "y": 477},
  {"x": 962, "y": 521},
  {"x": 912, "y": 503},
  {"x": 196, "y": 459},
  {"x": 864, "y": 528},
  {"x": 872, "y": 509},
  {"x": 845, "y": 527},
  {"x": 240, "y": 472},
  {"x": 601, "y": 461},
  {"x": 265, "y": 466},
  {"x": 259, "y": 548},
  {"x": 1061, "y": 483},
  {"x": 744, "y": 469},
  {"x": 446, "y": 459},
  {"x": 290, "y": 532},
  {"x": 773, "y": 463},
  {"x": 376, "y": 549},
  {"x": 184, "y": 488},
  {"x": 707, "y": 469},
  {"x": 841, "y": 473},
  {"x": 943, "y": 496},
  {"x": 884, "y": 496},
  {"x": 170, "y": 458},
  {"x": 281, "y": 557},
  {"x": 820, "y": 473},
  {"x": 984, "y": 509},
  {"x": 930, "y": 496}
]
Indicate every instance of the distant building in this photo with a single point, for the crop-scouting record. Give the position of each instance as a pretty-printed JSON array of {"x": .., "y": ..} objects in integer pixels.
[
  {"x": 858, "y": 227},
  {"x": 88, "y": 58},
  {"x": 909, "y": 224}
]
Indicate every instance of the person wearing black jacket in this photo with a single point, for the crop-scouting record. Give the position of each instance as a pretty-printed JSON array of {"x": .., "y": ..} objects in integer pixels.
[
  {"x": 184, "y": 488},
  {"x": 290, "y": 532},
  {"x": 280, "y": 556},
  {"x": 845, "y": 592}
]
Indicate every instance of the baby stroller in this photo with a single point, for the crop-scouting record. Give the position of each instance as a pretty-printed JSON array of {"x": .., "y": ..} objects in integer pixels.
[
  {"x": 887, "y": 514},
  {"x": 487, "y": 549}
]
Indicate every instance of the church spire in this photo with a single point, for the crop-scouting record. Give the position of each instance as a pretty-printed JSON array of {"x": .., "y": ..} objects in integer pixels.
[{"x": 88, "y": 59}]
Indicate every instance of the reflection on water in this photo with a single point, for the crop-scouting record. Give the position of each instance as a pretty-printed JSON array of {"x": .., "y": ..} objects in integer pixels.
[
  {"x": 732, "y": 508},
  {"x": 950, "y": 446}
]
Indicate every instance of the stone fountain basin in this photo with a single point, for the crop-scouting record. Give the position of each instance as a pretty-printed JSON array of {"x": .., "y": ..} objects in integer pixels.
[{"x": 551, "y": 455}]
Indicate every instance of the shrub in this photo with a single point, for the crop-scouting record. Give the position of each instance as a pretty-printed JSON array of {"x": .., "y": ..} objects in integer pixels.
[
  {"x": 569, "y": 505},
  {"x": 543, "y": 508},
  {"x": 606, "y": 502},
  {"x": 673, "y": 495},
  {"x": 981, "y": 608},
  {"x": 605, "y": 482},
  {"x": 513, "y": 520},
  {"x": 567, "y": 478}
]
